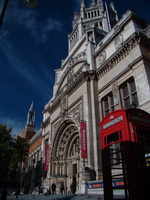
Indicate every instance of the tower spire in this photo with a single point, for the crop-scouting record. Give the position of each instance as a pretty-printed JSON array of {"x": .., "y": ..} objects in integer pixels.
[
  {"x": 93, "y": 3},
  {"x": 29, "y": 130},
  {"x": 100, "y": 2},
  {"x": 31, "y": 115}
]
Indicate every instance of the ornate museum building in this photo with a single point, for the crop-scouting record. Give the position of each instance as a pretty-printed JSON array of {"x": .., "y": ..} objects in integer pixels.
[{"x": 107, "y": 68}]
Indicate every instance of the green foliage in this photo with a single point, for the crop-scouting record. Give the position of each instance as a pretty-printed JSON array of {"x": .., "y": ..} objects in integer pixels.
[
  {"x": 12, "y": 151},
  {"x": 5, "y": 140},
  {"x": 20, "y": 148}
]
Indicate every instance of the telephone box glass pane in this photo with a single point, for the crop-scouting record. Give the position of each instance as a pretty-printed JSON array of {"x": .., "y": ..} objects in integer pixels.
[
  {"x": 113, "y": 137},
  {"x": 145, "y": 142},
  {"x": 117, "y": 169}
]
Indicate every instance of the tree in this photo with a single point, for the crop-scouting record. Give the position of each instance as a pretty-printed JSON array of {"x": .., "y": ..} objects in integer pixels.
[
  {"x": 5, "y": 146},
  {"x": 20, "y": 150},
  {"x": 12, "y": 152}
]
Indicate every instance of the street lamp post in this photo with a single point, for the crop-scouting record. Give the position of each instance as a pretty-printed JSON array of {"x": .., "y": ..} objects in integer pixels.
[
  {"x": 4, "y": 6},
  {"x": 28, "y": 3}
]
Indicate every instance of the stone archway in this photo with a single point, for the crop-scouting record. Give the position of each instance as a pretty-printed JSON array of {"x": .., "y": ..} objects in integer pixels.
[{"x": 66, "y": 154}]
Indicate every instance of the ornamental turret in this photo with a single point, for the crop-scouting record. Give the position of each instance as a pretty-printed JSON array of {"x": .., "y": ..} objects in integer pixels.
[{"x": 93, "y": 21}]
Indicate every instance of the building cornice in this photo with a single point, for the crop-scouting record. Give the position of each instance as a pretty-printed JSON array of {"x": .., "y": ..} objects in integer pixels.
[
  {"x": 118, "y": 28},
  {"x": 119, "y": 55}
]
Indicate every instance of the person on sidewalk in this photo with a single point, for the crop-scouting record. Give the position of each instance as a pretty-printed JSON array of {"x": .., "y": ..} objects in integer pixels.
[
  {"x": 62, "y": 188},
  {"x": 73, "y": 188},
  {"x": 53, "y": 188}
]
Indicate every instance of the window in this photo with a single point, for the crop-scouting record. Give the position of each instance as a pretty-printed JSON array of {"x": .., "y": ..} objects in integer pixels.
[
  {"x": 113, "y": 137},
  {"x": 101, "y": 24},
  {"x": 108, "y": 104},
  {"x": 129, "y": 94},
  {"x": 85, "y": 15}
]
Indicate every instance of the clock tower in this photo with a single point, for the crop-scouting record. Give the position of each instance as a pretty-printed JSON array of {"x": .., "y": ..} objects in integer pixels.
[{"x": 29, "y": 131}]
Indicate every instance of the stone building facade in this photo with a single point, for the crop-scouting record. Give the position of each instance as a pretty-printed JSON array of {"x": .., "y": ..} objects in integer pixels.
[{"x": 107, "y": 68}]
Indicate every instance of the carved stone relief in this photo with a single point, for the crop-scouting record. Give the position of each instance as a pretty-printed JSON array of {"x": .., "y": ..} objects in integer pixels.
[
  {"x": 78, "y": 57},
  {"x": 54, "y": 126},
  {"x": 118, "y": 41},
  {"x": 63, "y": 104},
  {"x": 102, "y": 58},
  {"x": 70, "y": 75},
  {"x": 76, "y": 113},
  {"x": 119, "y": 56},
  {"x": 146, "y": 31},
  {"x": 90, "y": 37}
]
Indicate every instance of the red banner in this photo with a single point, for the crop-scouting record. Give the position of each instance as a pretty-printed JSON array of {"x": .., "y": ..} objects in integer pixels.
[
  {"x": 83, "y": 139},
  {"x": 47, "y": 153}
]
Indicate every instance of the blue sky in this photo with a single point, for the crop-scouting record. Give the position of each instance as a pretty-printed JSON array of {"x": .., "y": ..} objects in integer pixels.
[{"x": 33, "y": 41}]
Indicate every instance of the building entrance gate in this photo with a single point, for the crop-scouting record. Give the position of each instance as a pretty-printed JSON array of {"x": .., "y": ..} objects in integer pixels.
[
  {"x": 125, "y": 143},
  {"x": 66, "y": 155}
]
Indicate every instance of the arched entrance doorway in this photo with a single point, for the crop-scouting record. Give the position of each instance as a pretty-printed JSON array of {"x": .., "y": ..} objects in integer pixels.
[{"x": 65, "y": 155}]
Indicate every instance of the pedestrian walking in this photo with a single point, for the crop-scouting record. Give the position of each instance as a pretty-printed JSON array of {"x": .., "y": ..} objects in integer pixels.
[
  {"x": 73, "y": 188},
  {"x": 62, "y": 188},
  {"x": 53, "y": 188}
]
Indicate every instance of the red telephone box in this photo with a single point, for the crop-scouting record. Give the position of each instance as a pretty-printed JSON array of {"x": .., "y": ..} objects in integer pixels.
[{"x": 125, "y": 144}]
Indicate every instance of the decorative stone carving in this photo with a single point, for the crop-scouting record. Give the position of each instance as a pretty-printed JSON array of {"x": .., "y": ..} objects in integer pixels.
[
  {"x": 90, "y": 37},
  {"x": 70, "y": 75},
  {"x": 92, "y": 74},
  {"x": 63, "y": 104},
  {"x": 146, "y": 31},
  {"x": 124, "y": 51},
  {"x": 118, "y": 41},
  {"x": 102, "y": 58},
  {"x": 54, "y": 126},
  {"x": 75, "y": 113},
  {"x": 79, "y": 56}
]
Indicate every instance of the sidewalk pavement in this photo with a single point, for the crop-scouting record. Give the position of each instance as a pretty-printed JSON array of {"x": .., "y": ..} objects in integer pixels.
[{"x": 56, "y": 197}]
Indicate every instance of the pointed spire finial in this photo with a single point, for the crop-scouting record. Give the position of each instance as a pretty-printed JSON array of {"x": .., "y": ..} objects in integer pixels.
[
  {"x": 82, "y": 4},
  {"x": 31, "y": 115},
  {"x": 93, "y": 3},
  {"x": 32, "y": 106}
]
